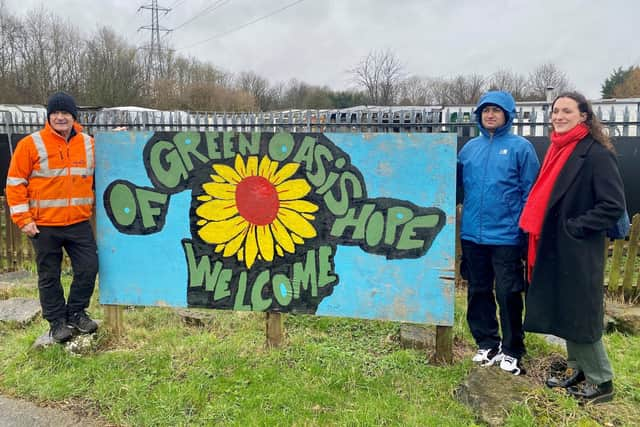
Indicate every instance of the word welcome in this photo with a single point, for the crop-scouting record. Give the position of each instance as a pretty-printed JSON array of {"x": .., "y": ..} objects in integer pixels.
[{"x": 265, "y": 290}]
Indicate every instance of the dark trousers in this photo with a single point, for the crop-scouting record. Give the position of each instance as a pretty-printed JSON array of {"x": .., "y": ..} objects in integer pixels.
[
  {"x": 486, "y": 264},
  {"x": 79, "y": 243}
]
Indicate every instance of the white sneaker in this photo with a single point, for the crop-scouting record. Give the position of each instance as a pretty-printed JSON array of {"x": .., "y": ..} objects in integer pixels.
[
  {"x": 487, "y": 356},
  {"x": 511, "y": 365}
]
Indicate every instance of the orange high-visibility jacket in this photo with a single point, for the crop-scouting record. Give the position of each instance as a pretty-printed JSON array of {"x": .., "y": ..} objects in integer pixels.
[{"x": 50, "y": 180}]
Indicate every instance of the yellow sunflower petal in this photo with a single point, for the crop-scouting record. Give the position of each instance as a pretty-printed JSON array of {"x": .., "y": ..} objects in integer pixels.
[
  {"x": 265, "y": 165},
  {"x": 228, "y": 173},
  {"x": 308, "y": 216},
  {"x": 235, "y": 244},
  {"x": 217, "y": 210},
  {"x": 279, "y": 250},
  {"x": 272, "y": 170},
  {"x": 297, "y": 239},
  {"x": 220, "y": 191},
  {"x": 241, "y": 254},
  {"x": 216, "y": 178},
  {"x": 265, "y": 242},
  {"x": 219, "y": 248},
  {"x": 252, "y": 166},
  {"x": 205, "y": 198},
  {"x": 282, "y": 236},
  {"x": 239, "y": 166},
  {"x": 217, "y": 232},
  {"x": 286, "y": 172},
  {"x": 251, "y": 247},
  {"x": 299, "y": 206},
  {"x": 296, "y": 223},
  {"x": 293, "y": 189}
]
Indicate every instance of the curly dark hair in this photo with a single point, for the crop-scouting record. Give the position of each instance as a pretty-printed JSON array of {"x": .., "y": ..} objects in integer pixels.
[{"x": 595, "y": 126}]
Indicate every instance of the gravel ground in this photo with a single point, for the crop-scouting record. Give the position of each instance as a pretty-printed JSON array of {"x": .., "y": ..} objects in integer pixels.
[{"x": 19, "y": 413}]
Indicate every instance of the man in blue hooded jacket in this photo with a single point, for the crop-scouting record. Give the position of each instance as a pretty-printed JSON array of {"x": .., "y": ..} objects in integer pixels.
[{"x": 497, "y": 170}]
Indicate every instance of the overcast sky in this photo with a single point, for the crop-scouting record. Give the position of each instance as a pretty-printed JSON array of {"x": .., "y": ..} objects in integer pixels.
[{"x": 318, "y": 41}]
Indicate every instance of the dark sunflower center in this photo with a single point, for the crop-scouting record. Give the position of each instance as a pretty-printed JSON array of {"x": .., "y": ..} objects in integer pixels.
[{"x": 257, "y": 200}]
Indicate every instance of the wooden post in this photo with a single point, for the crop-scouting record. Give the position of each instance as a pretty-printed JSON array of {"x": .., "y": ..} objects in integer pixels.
[
  {"x": 629, "y": 267},
  {"x": 616, "y": 266},
  {"x": 444, "y": 344},
  {"x": 274, "y": 329},
  {"x": 20, "y": 240},
  {"x": 113, "y": 316}
]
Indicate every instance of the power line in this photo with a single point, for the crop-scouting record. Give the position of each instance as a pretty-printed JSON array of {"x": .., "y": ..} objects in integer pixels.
[
  {"x": 177, "y": 2},
  {"x": 246, "y": 24},
  {"x": 206, "y": 10}
]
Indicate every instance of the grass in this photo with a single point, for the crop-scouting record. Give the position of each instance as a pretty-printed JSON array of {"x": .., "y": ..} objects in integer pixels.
[{"x": 331, "y": 371}]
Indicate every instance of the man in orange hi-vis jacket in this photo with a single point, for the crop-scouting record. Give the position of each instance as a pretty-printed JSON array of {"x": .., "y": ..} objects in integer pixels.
[{"x": 50, "y": 195}]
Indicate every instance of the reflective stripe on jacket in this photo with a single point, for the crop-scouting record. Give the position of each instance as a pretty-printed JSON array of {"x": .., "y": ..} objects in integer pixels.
[{"x": 50, "y": 180}]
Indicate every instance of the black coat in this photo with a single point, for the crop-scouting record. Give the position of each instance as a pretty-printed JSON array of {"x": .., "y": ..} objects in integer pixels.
[{"x": 566, "y": 294}]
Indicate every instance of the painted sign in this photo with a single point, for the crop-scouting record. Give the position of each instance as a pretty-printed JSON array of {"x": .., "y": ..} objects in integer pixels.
[{"x": 353, "y": 225}]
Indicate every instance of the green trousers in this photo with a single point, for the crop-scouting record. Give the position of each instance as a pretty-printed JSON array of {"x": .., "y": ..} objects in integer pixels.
[{"x": 591, "y": 359}]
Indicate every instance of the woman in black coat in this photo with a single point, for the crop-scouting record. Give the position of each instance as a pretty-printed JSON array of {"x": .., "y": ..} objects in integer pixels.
[{"x": 577, "y": 197}]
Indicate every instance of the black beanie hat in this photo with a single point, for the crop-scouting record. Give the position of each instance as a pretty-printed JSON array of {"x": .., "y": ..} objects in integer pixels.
[{"x": 62, "y": 102}]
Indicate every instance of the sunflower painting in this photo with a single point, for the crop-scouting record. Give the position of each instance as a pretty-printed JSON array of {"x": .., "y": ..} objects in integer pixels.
[
  {"x": 255, "y": 210},
  {"x": 334, "y": 224}
]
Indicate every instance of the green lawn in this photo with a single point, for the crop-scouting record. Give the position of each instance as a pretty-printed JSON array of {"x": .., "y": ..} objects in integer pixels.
[{"x": 330, "y": 372}]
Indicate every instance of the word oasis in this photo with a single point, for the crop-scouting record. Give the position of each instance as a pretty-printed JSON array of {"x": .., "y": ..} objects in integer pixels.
[{"x": 266, "y": 216}]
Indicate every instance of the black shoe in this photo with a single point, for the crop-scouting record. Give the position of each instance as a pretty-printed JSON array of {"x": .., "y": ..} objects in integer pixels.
[
  {"x": 82, "y": 322},
  {"x": 592, "y": 393},
  {"x": 60, "y": 331},
  {"x": 570, "y": 378}
]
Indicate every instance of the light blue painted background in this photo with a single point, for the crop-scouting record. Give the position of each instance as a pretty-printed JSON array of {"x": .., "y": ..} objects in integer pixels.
[{"x": 420, "y": 168}]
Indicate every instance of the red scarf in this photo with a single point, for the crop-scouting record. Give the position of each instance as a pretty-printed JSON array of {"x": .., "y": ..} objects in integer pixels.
[{"x": 532, "y": 218}]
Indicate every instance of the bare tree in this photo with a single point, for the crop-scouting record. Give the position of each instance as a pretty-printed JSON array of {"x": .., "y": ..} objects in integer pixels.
[
  {"x": 258, "y": 87},
  {"x": 65, "y": 69},
  {"x": 440, "y": 90},
  {"x": 193, "y": 84},
  {"x": 547, "y": 76},
  {"x": 33, "y": 49},
  {"x": 41, "y": 53},
  {"x": 10, "y": 28},
  {"x": 112, "y": 73},
  {"x": 460, "y": 89},
  {"x": 208, "y": 96},
  {"x": 298, "y": 94},
  {"x": 509, "y": 81},
  {"x": 467, "y": 89},
  {"x": 379, "y": 74},
  {"x": 415, "y": 91}
]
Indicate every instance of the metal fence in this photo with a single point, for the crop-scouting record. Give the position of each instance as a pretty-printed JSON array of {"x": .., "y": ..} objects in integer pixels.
[{"x": 461, "y": 120}]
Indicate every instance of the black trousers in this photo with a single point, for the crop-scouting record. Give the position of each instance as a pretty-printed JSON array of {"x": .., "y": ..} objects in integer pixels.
[
  {"x": 80, "y": 244},
  {"x": 502, "y": 265}
]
